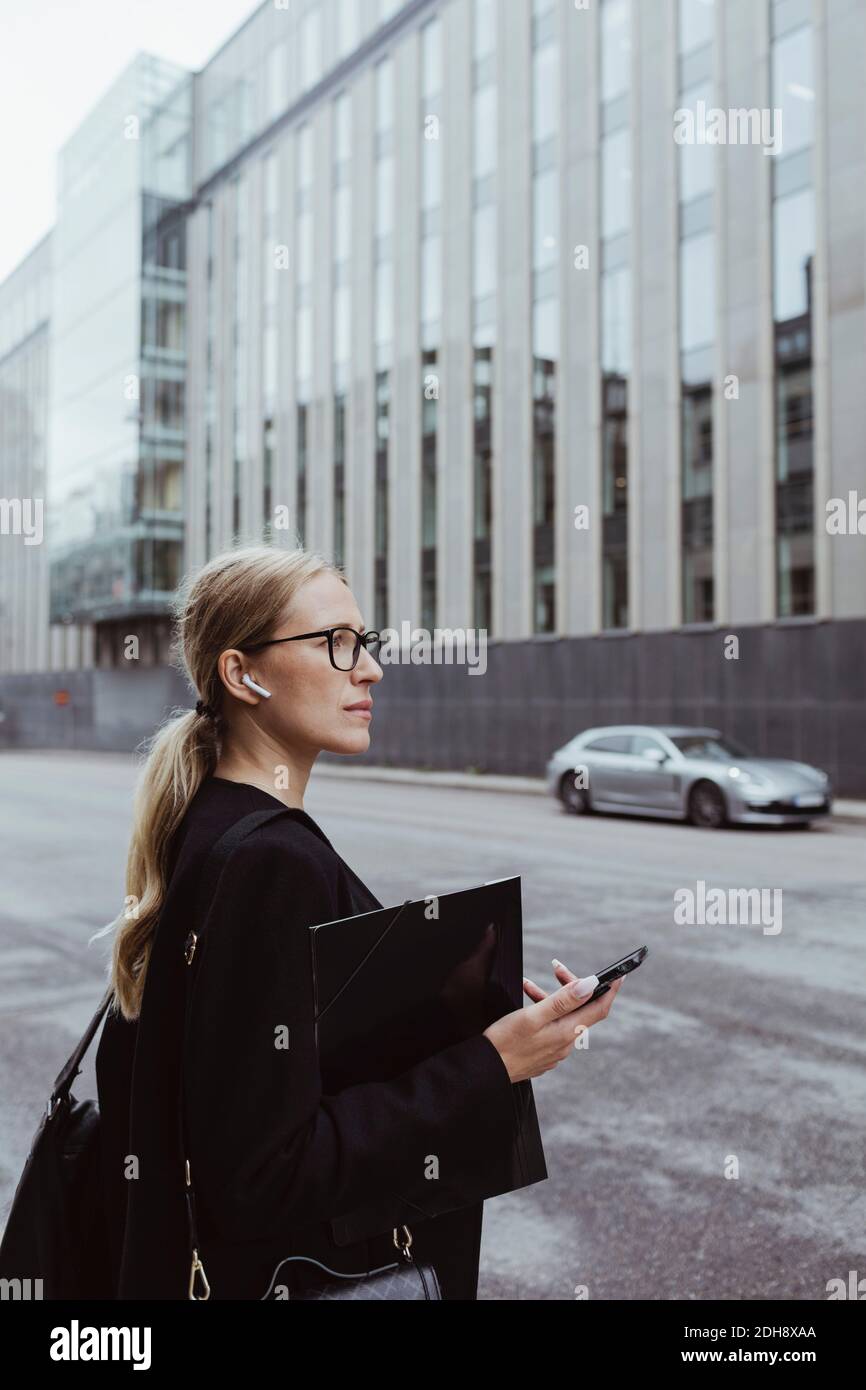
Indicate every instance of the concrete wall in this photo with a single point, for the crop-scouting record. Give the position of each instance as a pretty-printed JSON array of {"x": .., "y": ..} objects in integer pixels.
[
  {"x": 108, "y": 710},
  {"x": 796, "y": 690}
]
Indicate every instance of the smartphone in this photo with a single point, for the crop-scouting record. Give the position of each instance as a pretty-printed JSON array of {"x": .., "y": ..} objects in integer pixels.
[{"x": 613, "y": 972}]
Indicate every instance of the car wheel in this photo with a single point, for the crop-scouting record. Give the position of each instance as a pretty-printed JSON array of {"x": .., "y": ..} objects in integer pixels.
[
  {"x": 575, "y": 800},
  {"x": 707, "y": 806}
]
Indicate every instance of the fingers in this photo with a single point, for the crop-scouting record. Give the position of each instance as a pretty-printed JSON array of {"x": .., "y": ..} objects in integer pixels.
[
  {"x": 601, "y": 1007},
  {"x": 565, "y": 1000},
  {"x": 588, "y": 1014},
  {"x": 562, "y": 972}
]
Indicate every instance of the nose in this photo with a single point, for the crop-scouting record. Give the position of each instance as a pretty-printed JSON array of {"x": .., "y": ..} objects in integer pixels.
[{"x": 367, "y": 668}]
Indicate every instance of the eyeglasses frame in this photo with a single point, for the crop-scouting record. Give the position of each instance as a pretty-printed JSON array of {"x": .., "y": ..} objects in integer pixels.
[{"x": 363, "y": 638}]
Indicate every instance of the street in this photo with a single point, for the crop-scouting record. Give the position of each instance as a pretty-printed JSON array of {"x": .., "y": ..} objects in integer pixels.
[{"x": 709, "y": 1142}]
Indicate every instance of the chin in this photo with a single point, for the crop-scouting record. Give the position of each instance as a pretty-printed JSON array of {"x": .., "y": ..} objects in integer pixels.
[{"x": 350, "y": 742}]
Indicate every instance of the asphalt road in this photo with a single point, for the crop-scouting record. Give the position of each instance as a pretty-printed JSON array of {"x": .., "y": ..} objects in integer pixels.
[{"x": 733, "y": 1047}]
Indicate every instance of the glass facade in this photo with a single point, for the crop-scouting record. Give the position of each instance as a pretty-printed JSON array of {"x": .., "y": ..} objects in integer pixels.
[
  {"x": 301, "y": 370},
  {"x": 793, "y": 92},
  {"x": 615, "y": 190},
  {"x": 383, "y": 328},
  {"x": 25, "y": 308},
  {"x": 240, "y": 344},
  {"x": 430, "y": 234},
  {"x": 545, "y": 307},
  {"x": 341, "y": 327},
  {"x": 271, "y": 253},
  {"x": 304, "y": 243},
  {"x": 697, "y": 300},
  {"x": 485, "y": 263},
  {"x": 118, "y": 356}
]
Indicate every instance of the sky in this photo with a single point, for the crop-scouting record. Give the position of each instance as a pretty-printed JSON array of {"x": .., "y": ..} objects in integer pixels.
[{"x": 57, "y": 58}]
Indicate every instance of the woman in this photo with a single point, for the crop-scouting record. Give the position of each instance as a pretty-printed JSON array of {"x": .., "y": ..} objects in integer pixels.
[{"x": 273, "y": 1159}]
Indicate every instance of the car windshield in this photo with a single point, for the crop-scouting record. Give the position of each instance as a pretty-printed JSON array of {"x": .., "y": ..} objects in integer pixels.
[{"x": 722, "y": 750}]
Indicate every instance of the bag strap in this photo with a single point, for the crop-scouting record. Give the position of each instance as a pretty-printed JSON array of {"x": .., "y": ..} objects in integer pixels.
[
  {"x": 68, "y": 1073},
  {"x": 217, "y": 860}
]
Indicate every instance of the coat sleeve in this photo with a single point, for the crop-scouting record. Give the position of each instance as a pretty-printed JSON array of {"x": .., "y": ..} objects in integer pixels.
[{"x": 268, "y": 1151}]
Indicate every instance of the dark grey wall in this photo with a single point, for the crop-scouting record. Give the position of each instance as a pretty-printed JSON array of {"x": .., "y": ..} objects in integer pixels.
[
  {"x": 110, "y": 710},
  {"x": 797, "y": 690}
]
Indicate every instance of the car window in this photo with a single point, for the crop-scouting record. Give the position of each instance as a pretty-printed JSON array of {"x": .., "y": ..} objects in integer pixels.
[
  {"x": 641, "y": 742},
  {"x": 614, "y": 743},
  {"x": 721, "y": 750}
]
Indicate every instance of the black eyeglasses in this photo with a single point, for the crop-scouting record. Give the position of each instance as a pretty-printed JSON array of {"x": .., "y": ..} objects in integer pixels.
[{"x": 344, "y": 645}]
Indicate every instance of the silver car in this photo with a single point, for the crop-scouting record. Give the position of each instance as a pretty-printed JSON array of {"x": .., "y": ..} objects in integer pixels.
[{"x": 684, "y": 774}]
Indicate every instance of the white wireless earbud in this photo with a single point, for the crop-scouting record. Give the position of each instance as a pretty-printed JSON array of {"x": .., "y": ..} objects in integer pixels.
[{"x": 259, "y": 689}]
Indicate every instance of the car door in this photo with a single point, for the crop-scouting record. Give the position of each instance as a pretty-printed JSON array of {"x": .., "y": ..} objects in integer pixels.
[
  {"x": 651, "y": 783},
  {"x": 606, "y": 760}
]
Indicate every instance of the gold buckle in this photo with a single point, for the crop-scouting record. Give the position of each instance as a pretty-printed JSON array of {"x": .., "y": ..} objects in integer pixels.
[
  {"x": 404, "y": 1246},
  {"x": 198, "y": 1268}
]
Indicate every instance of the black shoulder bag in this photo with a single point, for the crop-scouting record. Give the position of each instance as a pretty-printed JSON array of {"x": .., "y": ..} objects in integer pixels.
[{"x": 54, "y": 1245}]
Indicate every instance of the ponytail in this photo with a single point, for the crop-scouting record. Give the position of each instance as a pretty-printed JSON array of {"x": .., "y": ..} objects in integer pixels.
[
  {"x": 236, "y": 599},
  {"x": 181, "y": 755}
]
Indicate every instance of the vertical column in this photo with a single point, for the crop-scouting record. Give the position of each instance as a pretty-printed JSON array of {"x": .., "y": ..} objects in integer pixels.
[
  {"x": 404, "y": 491},
  {"x": 194, "y": 499},
  {"x": 361, "y": 445},
  {"x": 578, "y": 419},
  {"x": 320, "y": 491},
  {"x": 455, "y": 447},
  {"x": 512, "y": 464},
  {"x": 747, "y": 322},
  {"x": 841, "y": 203}
]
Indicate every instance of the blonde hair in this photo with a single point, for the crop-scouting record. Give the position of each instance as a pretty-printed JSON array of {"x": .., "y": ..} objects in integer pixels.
[{"x": 236, "y": 599}]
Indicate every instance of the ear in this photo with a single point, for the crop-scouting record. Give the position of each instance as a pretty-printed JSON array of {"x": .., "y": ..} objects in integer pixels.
[{"x": 232, "y": 669}]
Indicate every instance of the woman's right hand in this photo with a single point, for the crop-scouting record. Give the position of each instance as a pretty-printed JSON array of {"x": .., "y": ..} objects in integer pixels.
[{"x": 536, "y": 1039}]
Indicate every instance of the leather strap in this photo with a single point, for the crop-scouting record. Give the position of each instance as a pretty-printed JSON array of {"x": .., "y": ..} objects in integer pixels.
[
  {"x": 217, "y": 860},
  {"x": 223, "y": 847},
  {"x": 68, "y": 1073}
]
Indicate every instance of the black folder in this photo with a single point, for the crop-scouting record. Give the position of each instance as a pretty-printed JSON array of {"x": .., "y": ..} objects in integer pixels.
[{"x": 396, "y": 985}]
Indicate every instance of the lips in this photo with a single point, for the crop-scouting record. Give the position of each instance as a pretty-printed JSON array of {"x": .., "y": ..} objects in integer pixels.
[{"x": 363, "y": 706}]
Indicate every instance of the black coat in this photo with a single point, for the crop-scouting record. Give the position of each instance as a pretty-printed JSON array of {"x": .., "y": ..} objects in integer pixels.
[{"x": 272, "y": 1158}]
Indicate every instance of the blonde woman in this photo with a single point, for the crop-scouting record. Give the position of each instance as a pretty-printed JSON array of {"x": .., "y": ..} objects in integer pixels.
[{"x": 274, "y": 645}]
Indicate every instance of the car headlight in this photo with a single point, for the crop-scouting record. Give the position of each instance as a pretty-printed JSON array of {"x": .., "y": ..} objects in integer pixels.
[{"x": 751, "y": 779}]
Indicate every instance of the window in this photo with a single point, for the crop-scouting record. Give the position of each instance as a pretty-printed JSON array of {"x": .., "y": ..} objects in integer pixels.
[
  {"x": 311, "y": 48},
  {"x": 616, "y": 321},
  {"x": 545, "y": 120},
  {"x": 431, "y": 58},
  {"x": 696, "y": 24},
  {"x": 794, "y": 89},
  {"x": 697, "y": 292},
  {"x": 545, "y": 220},
  {"x": 613, "y": 743},
  {"x": 616, "y": 184},
  {"x": 710, "y": 745},
  {"x": 697, "y": 162},
  {"x": 484, "y": 132},
  {"x": 348, "y": 26},
  {"x": 794, "y": 231},
  {"x": 615, "y": 49},
  {"x": 642, "y": 743}
]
